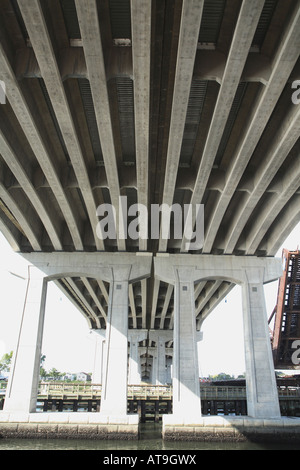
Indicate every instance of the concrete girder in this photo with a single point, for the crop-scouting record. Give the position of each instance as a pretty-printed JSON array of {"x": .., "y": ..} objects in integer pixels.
[
  {"x": 211, "y": 304},
  {"x": 92, "y": 45},
  {"x": 63, "y": 286},
  {"x": 285, "y": 225},
  {"x": 154, "y": 302},
  {"x": 166, "y": 304},
  {"x": 27, "y": 229},
  {"x": 290, "y": 184},
  {"x": 21, "y": 175},
  {"x": 37, "y": 144},
  {"x": 35, "y": 23},
  {"x": 283, "y": 65},
  {"x": 282, "y": 144},
  {"x": 141, "y": 49},
  {"x": 132, "y": 306},
  {"x": 187, "y": 48},
  {"x": 93, "y": 319},
  {"x": 245, "y": 28},
  {"x": 210, "y": 291},
  {"x": 95, "y": 298}
]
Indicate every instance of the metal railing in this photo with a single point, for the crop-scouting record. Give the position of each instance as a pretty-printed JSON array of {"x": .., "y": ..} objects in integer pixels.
[{"x": 81, "y": 391}]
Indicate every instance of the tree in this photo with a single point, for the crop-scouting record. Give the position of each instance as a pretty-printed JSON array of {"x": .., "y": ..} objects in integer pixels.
[
  {"x": 55, "y": 374},
  {"x": 6, "y": 362}
]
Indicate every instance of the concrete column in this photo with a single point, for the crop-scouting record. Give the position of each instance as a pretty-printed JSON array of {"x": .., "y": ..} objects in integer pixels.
[
  {"x": 134, "y": 372},
  {"x": 159, "y": 376},
  {"x": 262, "y": 395},
  {"x": 99, "y": 336},
  {"x": 186, "y": 389},
  {"x": 114, "y": 387},
  {"x": 22, "y": 389}
]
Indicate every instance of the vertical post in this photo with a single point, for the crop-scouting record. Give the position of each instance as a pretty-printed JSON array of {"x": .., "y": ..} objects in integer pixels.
[
  {"x": 262, "y": 395},
  {"x": 161, "y": 360},
  {"x": 99, "y": 359},
  {"x": 22, "y": 389},
  {"x": 159, "y": 376},
  {"x": 134, "y": 372},
  {"x": 186, "y": 388},
  {"x": 114, "y": 387}
]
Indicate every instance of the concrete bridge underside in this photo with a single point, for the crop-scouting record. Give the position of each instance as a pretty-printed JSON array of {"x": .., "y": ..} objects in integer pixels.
[{"x": 164, "y": 102}]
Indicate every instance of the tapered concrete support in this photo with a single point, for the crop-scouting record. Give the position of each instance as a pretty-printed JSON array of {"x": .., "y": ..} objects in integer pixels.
[
  {"x": 186, "y": 388},
  {"x": 134, "y": 368},
  {"x": 159, "y": 365},
  {"x": 119, "y": 269},
  {"x": 251, "y": 273},
  {"x": 99, "y": 359},
  {"x": 22, "y": 389},
  {"x": 262, "y": 395},
  {"x": 114, "y": 387}
]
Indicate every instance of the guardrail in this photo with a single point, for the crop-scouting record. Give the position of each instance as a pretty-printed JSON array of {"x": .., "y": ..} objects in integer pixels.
[{"x": 80, "y": 391}]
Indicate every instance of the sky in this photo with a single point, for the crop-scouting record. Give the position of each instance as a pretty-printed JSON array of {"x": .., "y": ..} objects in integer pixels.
[{"x": 69, "y": 345}]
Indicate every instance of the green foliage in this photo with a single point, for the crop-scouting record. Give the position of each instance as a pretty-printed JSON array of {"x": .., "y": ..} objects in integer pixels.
[
  {"x": 224, "y": 376},
  {"x": 5, "y": 362}
]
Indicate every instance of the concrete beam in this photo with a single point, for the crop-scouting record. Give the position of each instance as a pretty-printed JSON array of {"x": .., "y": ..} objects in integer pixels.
[
  {"x": 276, "y": 204},
  {"x": 245, "y": 28},
  {"x": 141, "y": 51},
  {"x": 283, "y": 142},
  {"x": 95, "y": 265},
  {"x": 91, "y": 38},
  {"x": 187, "y": 48},
  {"x": 211, "y": 267},
  {"x": 283, "y": 64},
  {"x": 284, "y": 226},
  {"x": 21, "y": 175}
]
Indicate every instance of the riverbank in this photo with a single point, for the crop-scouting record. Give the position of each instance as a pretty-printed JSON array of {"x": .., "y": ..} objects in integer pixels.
[
  {"x": 90, "y": 425},
  {"x": 149, "y": 443}
]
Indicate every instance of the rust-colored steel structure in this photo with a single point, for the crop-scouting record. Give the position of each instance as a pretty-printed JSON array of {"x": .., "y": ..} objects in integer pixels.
[{"x": 287, "y": 319}]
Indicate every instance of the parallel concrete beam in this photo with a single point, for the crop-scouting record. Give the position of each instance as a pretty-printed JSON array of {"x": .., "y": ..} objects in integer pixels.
[
  {"x": 245, "y": 28},
  {"x": 35, "y": 23},
  {"x": 21, "y": 175},
  {"x": 187, "y": 48},
  {"x": 91, "y": 38},
  {"x": 270, "y": 211},
  {"x": 282, "y": 67},
  {"x": 141, "y": 50},
  {"x": 282, "y": 144}
]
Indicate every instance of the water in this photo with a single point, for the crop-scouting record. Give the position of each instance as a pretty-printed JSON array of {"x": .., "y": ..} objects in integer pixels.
[{"x": 150, "y": 441}]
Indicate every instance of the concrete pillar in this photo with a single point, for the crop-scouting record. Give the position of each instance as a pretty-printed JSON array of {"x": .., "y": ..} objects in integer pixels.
[
  {"x": 134, "y": 369},
  {"x": 262, "y": 395},
  {"x": 22, "y": 389},
  {"x": 186, "y": 389},
  {"x": 114, "y": 387},
  {"x": 159, "y": 376},
  {"x": 99, "y": 359}
]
